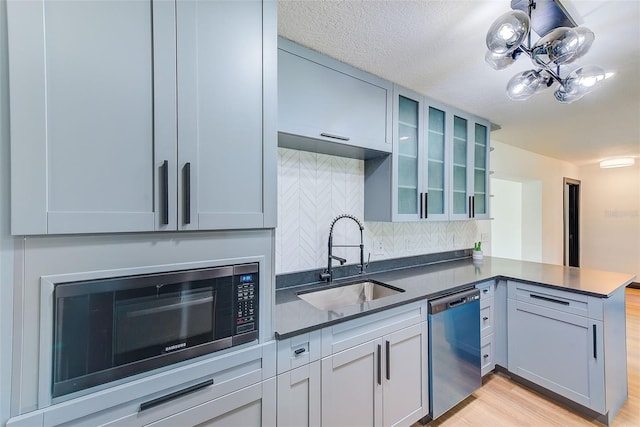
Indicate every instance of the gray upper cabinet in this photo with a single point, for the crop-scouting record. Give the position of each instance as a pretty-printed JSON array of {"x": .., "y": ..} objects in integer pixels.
[
  {"x": 408, "y": 147},
  {"x": 221, "y": 155},
  {"x": 481, "y": 150},
  {"x": 439, "y": 167},
  {"x": 101, "y": 133},
  {"x": 329, "y": 107},
  {"x": 469, "y": 190}
]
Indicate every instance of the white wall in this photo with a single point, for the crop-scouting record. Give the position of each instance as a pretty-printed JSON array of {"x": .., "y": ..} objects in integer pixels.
[
  {"x": 314, "y": 188},
  {"x": 610, "y": 224},
  {"x": 506, "y": 209},
  {"x": 6, "y": 242},
  {"x": 545, "y": 176},
  {"x": 532, "y": 221}
]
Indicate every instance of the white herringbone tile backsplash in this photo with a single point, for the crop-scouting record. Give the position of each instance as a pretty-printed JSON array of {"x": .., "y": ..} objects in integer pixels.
[{"x": 315, "y": 188}]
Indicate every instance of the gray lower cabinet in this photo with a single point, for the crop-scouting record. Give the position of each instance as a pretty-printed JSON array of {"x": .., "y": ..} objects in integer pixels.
[
  {"x": 377, "y": 383},
  {"x": 142, "y": 115},
  {"x": 569, "y": 343},
  {"x": 299, "y": 396},
  {"x": 558, "y": 351},
  {"x": 487, "y": 326},
  {"x": 235, "y": 388},
  {"x": 500, "y": 323},
  {"x": 299, "y": 381},
  {"x": 330, "y": 107}
]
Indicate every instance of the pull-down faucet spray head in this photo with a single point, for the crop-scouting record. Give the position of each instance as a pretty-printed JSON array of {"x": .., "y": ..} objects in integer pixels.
[{"x": 327, "y": 275}]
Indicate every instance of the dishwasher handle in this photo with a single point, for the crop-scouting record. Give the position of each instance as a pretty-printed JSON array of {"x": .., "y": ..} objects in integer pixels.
[{"x": 454, "y": 300}]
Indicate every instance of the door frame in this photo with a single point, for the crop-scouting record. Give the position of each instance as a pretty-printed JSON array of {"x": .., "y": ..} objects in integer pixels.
[{"x": 567, "y": 183}]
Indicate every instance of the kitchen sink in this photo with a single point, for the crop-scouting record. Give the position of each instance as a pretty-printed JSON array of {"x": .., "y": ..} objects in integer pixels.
[{"x": 339, "y": 296}]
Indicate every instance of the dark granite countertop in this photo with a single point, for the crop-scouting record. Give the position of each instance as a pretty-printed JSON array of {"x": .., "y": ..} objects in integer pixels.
[{"x": 294, "y": 316}]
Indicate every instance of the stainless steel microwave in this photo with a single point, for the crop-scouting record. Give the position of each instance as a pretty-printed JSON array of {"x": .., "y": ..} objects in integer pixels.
[{"x": 109, "y": 329}]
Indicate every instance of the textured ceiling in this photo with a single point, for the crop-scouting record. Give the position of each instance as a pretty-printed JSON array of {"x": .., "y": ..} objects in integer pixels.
[{"x": 437, "y": 47}]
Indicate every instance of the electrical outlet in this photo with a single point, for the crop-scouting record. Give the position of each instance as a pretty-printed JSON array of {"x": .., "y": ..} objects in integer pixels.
[
  {"x": 378, "y": 247},
  {"x": 407, "y": 244},
  {"x": 484, "y": 237}
]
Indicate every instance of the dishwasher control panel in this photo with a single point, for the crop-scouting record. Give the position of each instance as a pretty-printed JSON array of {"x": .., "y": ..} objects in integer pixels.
[{"x": 453, "y": 300}]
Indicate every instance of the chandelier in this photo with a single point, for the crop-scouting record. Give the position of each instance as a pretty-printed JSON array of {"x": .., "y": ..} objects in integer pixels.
[{"x": 510, "y": 35}]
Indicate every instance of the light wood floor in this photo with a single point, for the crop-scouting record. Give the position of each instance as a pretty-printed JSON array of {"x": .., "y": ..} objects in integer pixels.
[{"x": 502, "y": 402}]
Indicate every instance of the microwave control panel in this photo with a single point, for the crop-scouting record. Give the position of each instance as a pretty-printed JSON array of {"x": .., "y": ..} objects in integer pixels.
[{"x": 246, "y": 303}]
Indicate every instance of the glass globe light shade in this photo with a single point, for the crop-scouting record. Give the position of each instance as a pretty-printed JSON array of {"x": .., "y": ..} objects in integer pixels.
[
  {"x": 526, "y": 84},
  {"x": 557, "y": 47},
  {"x": 585, "y": 40},
  {"x": 508, "y": 32},
  {"x": 499, "y": 61},
  {"x": 579, "y": 82}
]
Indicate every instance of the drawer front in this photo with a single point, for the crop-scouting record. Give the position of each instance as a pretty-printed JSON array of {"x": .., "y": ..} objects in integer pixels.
[
  {"x": 556, "y": 299},
  {"x": 486, "y": 317},
  {"x": 486, "y": 290},
  {"x": 298, "y": 350},
  {"x": 486, "y": 352},
  {"x": 354, "y": 332},
  {"x": 168, "y": 392}
]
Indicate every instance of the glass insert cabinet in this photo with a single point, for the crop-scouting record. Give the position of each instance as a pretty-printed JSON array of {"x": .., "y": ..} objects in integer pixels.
[{"x": 440, "y": 161}]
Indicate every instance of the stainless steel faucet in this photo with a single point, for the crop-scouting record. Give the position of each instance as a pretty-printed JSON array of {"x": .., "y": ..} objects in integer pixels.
[{"x": 327, "y": 275}]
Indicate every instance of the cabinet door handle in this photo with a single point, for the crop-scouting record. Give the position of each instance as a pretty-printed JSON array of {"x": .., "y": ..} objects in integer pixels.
[
  {"x": 553, "y": 300},
  {"x": 164, "y": 178},
  {"x": 186, "y": 179},
  {"x": 176, "y": 394},
  {"x": 485, "y": 356},
  {"x": 426, "y": 204},
  {"x": 485, "y": 318},
  {"x": 470, "y": 206},
  {"x": 595, "y": 347},
  {"x": 330, "y": 135},
  {"x": 388, "y": 360},
  {"x": 473, "y": 206},
  {"x": 379, "y": 364},
  {"x": 421, "y": 206}
]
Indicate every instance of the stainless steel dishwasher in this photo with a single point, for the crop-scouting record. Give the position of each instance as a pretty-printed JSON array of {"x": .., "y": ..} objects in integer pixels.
[{"x": 454, "y": 350}]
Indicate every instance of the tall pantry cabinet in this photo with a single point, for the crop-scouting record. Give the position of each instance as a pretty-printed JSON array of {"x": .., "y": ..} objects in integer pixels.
[{"x": 142, "y": 115}]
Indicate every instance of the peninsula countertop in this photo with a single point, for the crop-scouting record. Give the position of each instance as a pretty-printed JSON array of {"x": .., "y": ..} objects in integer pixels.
[{"x": 294, "y": 316}]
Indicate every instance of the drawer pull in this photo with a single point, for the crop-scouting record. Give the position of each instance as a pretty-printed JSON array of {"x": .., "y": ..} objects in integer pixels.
[
  {"x": 485, "y": 318},
  {"x": 553, "y": 300},
  {"x": 485, "y": 290},
  {"x": 176, "y": 394},
  {"x": 299, "y": 351},
  {"x": 330, "y": 135}
]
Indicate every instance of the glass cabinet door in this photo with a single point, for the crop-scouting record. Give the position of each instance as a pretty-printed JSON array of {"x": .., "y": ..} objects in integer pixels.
[
  {"x": 480, "y": 173},
  {"x": 408, "y": 124},
  {"x": 436, "y": 175},
  {"x": 460, "y": 146}
]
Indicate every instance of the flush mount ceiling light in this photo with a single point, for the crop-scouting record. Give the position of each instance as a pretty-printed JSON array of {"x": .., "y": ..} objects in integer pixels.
[
  {"x": 617, "y": 163},
  {"x": 561, "y": 43}
]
